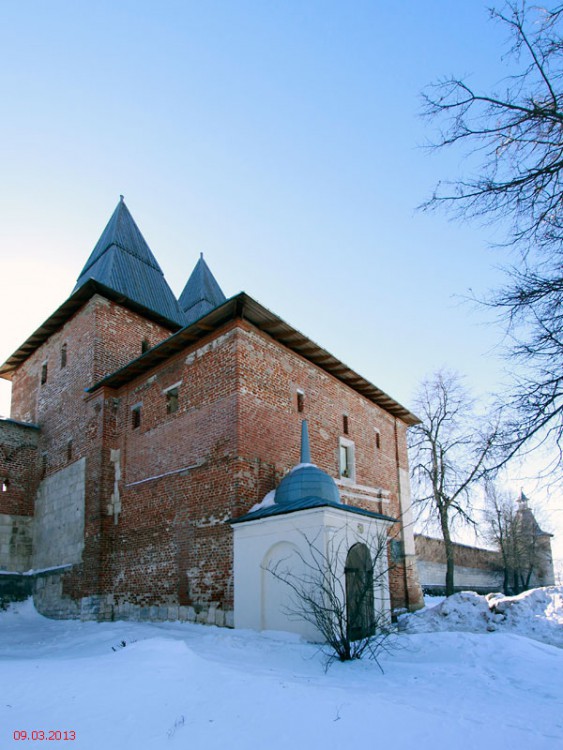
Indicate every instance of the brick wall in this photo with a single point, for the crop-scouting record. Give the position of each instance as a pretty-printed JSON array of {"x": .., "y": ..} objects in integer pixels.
[
  {"x": 169, "y": 543},
  {"x": 18, "y": 455},
  {"x": 233, "y": 437},
  {"x": 159, "y": 494},
  {"x": 100, "y": 337},
  {"x": 18, "y": 484},
  {"x": 433, "y": 550},
  {"x": 269, "y": 431},
  {"x": 475, "y": 568}
]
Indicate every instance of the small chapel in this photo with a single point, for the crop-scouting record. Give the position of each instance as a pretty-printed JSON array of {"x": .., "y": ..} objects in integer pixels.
[{"x": 162, "y": 454}]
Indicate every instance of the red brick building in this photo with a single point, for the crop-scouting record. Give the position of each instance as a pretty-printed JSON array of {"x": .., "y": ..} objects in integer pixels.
[{"x": 141, "y": 424}]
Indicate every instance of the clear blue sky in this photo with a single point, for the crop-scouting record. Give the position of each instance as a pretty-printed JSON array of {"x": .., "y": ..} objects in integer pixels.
[{"x": 282, "y": 139}]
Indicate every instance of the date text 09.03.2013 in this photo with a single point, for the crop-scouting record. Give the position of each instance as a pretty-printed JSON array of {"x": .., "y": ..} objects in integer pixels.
[{"x": 49, "y": 735}]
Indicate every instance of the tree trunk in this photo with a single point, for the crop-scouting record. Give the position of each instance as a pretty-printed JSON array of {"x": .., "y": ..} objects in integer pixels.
[{"x": 449, "y": 549}]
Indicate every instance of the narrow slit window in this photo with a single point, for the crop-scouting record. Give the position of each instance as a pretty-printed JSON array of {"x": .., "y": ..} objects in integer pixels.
[
  {"x": 135, "y": 417},
  {"x": 4, "y": 484},
  {"x": 43, "y": 466},
  {"x": 63, "y": 356},
  {"x": 300, "y": 401},
  {"x": 345, "y": 424},
  {"x": 145, "y": 346},
  {"x": 377, "y": 439},
  {"x": 44, "y": 373},
  {"x": 69, "y": 451}
]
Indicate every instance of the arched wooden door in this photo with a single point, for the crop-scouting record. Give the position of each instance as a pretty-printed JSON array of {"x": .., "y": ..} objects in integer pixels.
[{"x": 359, "y": 593}]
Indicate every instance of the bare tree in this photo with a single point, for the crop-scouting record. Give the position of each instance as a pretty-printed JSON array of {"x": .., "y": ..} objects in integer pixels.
[
  {"x": 512, "y": 527},
  {"x": 448, "y": 453},
  {"x": 517, "y": 134},
  {"x": 342, "y": 590}
]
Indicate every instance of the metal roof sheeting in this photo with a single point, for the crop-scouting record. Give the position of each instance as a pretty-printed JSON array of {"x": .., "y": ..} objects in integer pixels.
[
  {"x": 201, "y": 294},
  {"x": 123, "y": 261},
  {"x": 306, "y": 503},
  {"x": 244, "y": 307},
  {"x": 63, "y": 313},
  {"x": 139, "y": 282}
]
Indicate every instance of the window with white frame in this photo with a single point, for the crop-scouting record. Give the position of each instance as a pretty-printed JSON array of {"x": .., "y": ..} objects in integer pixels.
[
  {"x": 172, "y": 394},
  {"x": 347, "y": 467}
]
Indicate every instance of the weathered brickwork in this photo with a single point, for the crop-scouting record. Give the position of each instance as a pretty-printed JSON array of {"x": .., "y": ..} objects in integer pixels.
[
  {"x": 18, "y": 485},
  {"x": 162, "y": 474},
  {"x": 433, "y": 550},
  {"x": 18, "y": 459},
  {"x": 120, "y": 335},
  {"x": 475, "y": 568},
  {"x": 271, "y": 376}
]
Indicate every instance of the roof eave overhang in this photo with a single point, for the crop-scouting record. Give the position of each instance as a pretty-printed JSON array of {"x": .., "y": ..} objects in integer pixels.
[
  {"x": 76, "y": 300},
  {"x": 249, "y": 518},
  {"x": 244, "y": 307}
]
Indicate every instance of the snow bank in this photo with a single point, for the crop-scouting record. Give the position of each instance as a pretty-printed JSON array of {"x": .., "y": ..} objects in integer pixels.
[
  {"x": 536, "y": 614},
  {"x": 160, "y": 686}
]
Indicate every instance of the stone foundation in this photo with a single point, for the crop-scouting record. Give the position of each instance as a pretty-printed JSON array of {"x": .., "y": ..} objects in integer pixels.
[
  {"x": 16, "y": 541},
  {"x": 50, "y": 601}
]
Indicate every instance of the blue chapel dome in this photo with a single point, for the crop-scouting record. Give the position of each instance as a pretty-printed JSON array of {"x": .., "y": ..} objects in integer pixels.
[{"x": 306, "y": 481}]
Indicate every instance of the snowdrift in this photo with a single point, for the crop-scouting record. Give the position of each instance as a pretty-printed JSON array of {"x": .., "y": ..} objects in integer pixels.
[{"x": 536, "y": 614}]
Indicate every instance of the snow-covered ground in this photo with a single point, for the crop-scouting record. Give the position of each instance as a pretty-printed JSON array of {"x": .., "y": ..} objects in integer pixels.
[{"x": 191, "y": 686}]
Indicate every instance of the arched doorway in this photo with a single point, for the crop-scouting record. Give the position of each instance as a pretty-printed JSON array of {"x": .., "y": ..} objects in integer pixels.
[
  {"x": 359, "y": 593},
  {"x": 277, "y": 601}
]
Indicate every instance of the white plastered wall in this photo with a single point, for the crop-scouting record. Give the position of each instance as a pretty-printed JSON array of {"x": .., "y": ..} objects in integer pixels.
[
  {"x": 261, "y": 600},
  {"x": 407, "y": 520}
]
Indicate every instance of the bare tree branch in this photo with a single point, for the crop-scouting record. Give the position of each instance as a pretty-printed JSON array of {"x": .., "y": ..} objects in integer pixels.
[
  {"x": 351, "y": 623},
  {"x": 449, "y": 453},
  {"x": 517, "y": 133}
]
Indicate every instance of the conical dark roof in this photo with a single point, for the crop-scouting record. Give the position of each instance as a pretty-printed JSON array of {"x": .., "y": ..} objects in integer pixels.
[
  {"x": 201, "y": 294},
  {"x": 123, "y": 261}
]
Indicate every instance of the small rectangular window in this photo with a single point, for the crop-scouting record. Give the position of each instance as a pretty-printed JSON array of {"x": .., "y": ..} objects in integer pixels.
[
  {"x": 135, "y": 417},
  {"x": 69, "y": 451},
  {"x": 345, "y": 424},
  {"x": 345, "y": 463},
  {"x": 172, "y": 400},
  {"x": 377, "y": 439},
  {"x": 347, "y": 469},
  {"x": 397, "y": 551},
  {"x": 145, "y": 346},
  {"x": 300, "y": 401},
  {"x": 44, "y": 373},
  {"x": 4, "y": 484},
  {"x": 63, "y": 356}
]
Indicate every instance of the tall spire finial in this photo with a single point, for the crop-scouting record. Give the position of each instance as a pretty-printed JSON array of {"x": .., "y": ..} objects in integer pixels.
[
  {"x": 201, "y": 255},
  {"x": 121, "y": 198},
  {"x": 305, "y": 450}
]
